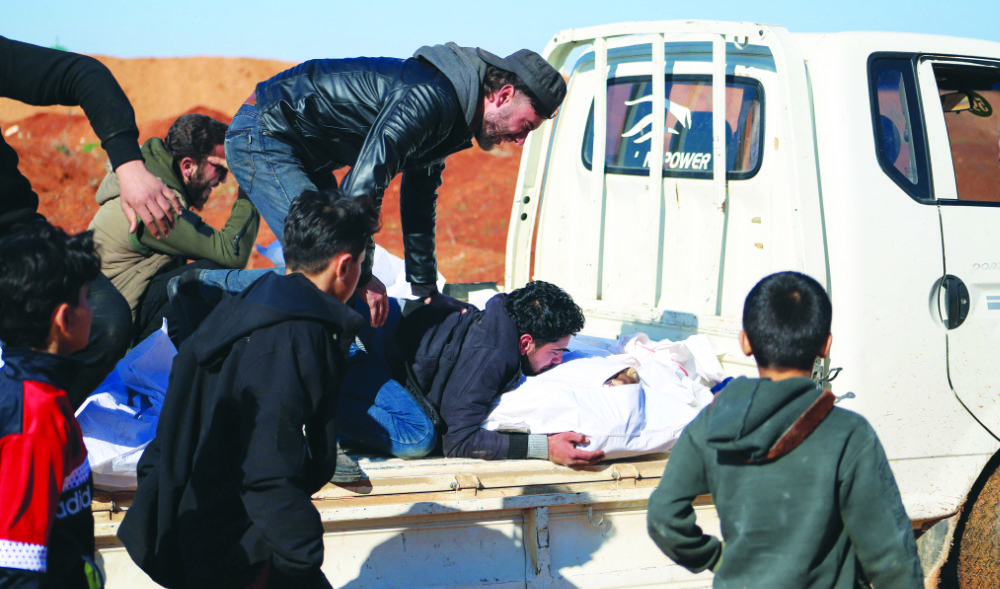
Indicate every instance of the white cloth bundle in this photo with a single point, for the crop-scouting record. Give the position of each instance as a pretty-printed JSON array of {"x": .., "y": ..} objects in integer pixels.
[{"x": 624, "y": 420}]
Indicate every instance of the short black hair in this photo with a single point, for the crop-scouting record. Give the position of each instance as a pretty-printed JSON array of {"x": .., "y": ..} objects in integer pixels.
[
  {"x": 195, "y": 136},
  {"x": 544, "y": 311},
  {"x": 321, "y": 224},
  {"x": 787, "y": 320},
  {"x": 497, "y": 78},
  {"x": 41, "y": 267}
]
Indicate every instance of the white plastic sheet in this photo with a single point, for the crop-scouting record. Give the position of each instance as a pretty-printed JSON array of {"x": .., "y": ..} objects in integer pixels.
[
  {"x": 626, "y": 420},
  {"x": 119, "y": 419}
]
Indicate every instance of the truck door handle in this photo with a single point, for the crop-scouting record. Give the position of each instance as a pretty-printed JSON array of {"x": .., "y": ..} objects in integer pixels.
[{"x": 953, "y": 301}]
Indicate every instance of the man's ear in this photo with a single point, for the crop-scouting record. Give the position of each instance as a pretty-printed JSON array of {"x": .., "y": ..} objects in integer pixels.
[
  {"x": 341, "y": 264},
  {"x": 340, "y": 274},
  {"x": 825, "y": 351},
  {"x": 525, "y": 344},
  {"x": 745, "y": 343},
  {"x": 502, "y": 96},
  {"x": 62, "y": 322},
  {"x": 188, "y": 167}
]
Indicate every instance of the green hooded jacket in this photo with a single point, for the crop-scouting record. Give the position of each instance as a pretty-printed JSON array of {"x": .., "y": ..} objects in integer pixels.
[
  {"x": 821, "y": 515},
  {"x": 131, "y": 260}
]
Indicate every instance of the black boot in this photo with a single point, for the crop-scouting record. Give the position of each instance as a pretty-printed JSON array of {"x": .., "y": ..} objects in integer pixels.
[{"x": 347, "y": 469}]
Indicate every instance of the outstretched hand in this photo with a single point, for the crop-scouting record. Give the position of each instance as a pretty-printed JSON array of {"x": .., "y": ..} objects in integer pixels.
[
  {"x": 375, "y": 296},
  {"x": 143, "y": 195},
  {"x": 563, "y": 450}
]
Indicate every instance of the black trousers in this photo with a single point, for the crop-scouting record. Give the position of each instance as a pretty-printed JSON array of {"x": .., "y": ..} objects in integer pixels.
[
  {"x": 155, "y": 305},
  {"x": 110, "y": 337}
]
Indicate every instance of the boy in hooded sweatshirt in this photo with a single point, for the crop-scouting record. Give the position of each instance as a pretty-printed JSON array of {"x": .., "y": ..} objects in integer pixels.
[
  {"x": 248, "y": 430},
  {"x": 803, "y": 489}
]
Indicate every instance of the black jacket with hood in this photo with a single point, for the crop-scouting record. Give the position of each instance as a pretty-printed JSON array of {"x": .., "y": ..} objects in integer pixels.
[
  {"x": 808, "y": 518},
  {"x": 462, "y": 362},
  {"x": 246, "y": 435},
  {"x": 381, "y": 116}
]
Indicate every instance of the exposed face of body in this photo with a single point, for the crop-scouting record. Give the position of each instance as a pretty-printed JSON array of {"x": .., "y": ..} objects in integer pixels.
[
  {"x": 201, "y": 178},
  {"x": 508, "y": 117},
  {"x": 537, "y": 358}
]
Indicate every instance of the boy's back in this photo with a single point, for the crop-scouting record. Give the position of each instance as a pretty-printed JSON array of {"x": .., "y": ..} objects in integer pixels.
[
  {"x": 803, "y": 490},
  {"x": 248, "y": 428},
  {"x": 803, "y": 519},
  {"x": 231, "y": 464}
]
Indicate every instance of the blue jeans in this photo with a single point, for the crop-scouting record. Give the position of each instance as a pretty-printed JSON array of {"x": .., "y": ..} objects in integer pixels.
[
  {"x": 376, "y": 411},
  {"x": 271, "y": 175}
]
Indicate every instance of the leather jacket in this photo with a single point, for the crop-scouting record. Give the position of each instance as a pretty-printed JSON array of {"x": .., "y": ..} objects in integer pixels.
[{"x": 381, "y": 116}]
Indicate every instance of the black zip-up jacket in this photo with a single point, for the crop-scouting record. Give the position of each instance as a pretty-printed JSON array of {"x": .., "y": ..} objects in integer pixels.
[
  {"x": 42, "y": 77},
  {"x": 246, "y": 435},
  {"x": 381, "y": 116},
  {"x": 462, "y": 362}
]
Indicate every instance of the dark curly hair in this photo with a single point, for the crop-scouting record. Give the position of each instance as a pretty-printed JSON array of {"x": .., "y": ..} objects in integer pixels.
[
  {"x": 324, "y": 223},
  {"x": 41, "y": 267},
  {"x": 787, "y": 319},
  {"x": 195, "y": 136},
  {"x": 544, "y": 311}
]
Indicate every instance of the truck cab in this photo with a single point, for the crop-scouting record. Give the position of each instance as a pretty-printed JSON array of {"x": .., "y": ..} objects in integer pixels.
[{"x": 867, "y": 160}]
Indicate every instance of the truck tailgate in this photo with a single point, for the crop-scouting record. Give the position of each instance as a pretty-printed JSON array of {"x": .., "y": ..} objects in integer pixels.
[{"x": 462, "y": 522}]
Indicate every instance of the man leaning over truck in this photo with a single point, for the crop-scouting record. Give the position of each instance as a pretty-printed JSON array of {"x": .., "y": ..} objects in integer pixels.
[
  {"x": 462, "y": 362},
  {"x": 382, "y": 117}
]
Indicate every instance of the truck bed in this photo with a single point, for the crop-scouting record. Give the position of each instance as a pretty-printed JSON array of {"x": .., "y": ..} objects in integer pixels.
[{"x": 464, "y": 522}]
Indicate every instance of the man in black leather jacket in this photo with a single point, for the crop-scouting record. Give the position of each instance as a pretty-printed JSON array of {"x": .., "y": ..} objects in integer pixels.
[{"x": 383, "y": 116}]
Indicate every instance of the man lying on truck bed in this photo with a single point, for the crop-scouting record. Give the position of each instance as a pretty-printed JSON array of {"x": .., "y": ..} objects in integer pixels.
[{"x": 461, "y": 362}]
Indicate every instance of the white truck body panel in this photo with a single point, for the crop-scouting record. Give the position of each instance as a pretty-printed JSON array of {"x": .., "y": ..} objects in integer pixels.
[
  {"x": 670, "y": 256},
  {"x": 471, "y": 523}
]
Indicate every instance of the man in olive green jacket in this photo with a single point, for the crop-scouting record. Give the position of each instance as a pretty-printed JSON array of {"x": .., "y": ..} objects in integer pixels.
[{"x": 190, "y": 160}]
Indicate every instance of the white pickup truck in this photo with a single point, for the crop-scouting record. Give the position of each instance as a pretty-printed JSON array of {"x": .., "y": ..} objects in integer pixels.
[{"x": 867, "y": 160}]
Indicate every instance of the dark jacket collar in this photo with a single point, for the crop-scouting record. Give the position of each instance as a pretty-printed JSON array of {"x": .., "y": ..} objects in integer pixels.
[
  {"x": 26, "y": 364},
  {"x": 271, "y": 300}
]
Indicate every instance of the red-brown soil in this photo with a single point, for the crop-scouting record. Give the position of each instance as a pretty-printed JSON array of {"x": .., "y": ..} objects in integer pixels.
[{"x": 61, "y": 156}]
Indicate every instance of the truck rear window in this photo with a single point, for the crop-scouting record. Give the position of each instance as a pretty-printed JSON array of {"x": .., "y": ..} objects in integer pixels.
[
  {"x": 899, "y": 134},
  {"x": 970, "y": 99},
  {"x": 688, "y": 134}
]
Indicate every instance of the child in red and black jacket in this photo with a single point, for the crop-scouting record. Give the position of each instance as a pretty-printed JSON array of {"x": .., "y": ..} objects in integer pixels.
[{"x": 46, "y": 525}]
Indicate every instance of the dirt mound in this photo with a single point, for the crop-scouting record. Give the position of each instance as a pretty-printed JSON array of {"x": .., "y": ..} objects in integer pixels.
[{"x": 62, "y": 157}]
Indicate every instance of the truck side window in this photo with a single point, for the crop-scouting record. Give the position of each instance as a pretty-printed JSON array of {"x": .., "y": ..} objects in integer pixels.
[
  {"x": 688, "y": 133},
  {"x": 899, "y": 136},
  {"x": 970, "y": 99}
]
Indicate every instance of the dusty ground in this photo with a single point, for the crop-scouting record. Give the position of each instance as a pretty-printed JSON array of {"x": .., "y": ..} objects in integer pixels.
[{"x": 61, "y": 156}]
